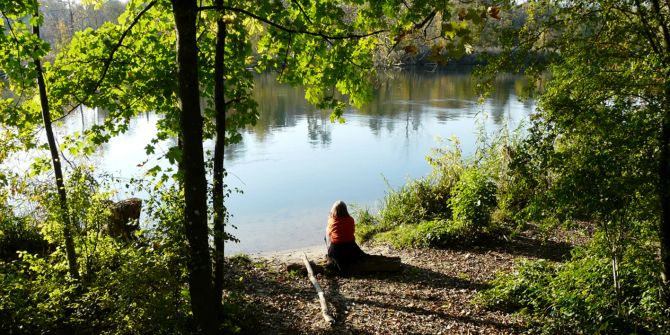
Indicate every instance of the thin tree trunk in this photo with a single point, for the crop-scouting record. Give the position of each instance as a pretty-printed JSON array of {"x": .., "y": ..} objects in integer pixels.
[
  {"x": 58, "y": 172},
  {"x": 664, "y": 163},
  {"x": 203, "y": 300},
  {"x": 664, "y": 194},
  {"x": 218, "y": 188}
]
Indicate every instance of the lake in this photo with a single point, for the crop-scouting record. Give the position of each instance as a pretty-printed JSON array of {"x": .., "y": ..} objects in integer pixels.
[{"x": 294, "y": 163}]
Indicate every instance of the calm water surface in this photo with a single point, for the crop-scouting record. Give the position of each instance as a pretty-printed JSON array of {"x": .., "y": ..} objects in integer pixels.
[{"x": 294, "y": 163}]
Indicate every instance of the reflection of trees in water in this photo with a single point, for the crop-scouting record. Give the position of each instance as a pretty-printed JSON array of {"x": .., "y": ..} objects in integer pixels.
[
  {"x": 278, "y": 105},
  {"x": 319, "y": 128},
  {"x": 234, "y": 151},
  {"x": 445, "y": 91},
  {"x": 85, "y": 118},
  {"x": 505, "y": 87},
  {"x": 399, "y": 96}
]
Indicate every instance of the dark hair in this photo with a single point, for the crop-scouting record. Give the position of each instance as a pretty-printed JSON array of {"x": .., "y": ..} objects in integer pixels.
[{"x": 339, "y": 209}]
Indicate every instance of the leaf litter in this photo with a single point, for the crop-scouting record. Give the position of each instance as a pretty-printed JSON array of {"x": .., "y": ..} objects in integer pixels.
[{"x": 431, "y": 295}]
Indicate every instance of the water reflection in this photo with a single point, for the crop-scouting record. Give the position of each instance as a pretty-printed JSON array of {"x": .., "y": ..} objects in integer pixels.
[
  {"x": 404, "y": 96},
  {"x": 318, "y": 128}
]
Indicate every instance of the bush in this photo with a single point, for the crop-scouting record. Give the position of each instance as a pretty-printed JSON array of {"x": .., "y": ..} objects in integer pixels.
[
  {"x": 17, "y": 234},
  {"x": 427, "y": 234},
  {"x": 136, "y": 287},
  {"x": 366, "y": 225},
  {"x": 578, "y": 297},
  {"x": 454, "y": 205},
  {"x": 473, "y": 199},
  {"x": 418, "y": 200}
]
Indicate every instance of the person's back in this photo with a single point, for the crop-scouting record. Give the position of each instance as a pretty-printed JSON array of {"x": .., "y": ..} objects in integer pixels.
[{"x": 341, "y": 231}]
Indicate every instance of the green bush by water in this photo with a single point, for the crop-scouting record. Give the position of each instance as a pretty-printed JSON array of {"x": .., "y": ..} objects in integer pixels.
[
  {"x": 473, "y": 199},
  {"x": 434, "y": 233},
  {"x": 580, "y": 297},
  {"x": 454, "y": 205}
]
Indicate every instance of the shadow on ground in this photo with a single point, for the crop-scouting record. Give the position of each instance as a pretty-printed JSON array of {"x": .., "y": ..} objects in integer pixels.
[{"x": 520, "y": 246}]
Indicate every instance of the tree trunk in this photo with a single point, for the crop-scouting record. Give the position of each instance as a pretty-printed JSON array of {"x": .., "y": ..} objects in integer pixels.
[
  {"x": 664, "y": 162},
  {"x": 218, "y": 190},
  {"x": 203, "y": 300},
  {"x": 58, "y": 172},
  {"x": 664, "y": 195}
]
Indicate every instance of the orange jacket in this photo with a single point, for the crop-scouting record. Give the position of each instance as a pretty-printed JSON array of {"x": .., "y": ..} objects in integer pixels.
[{"x": 341, "y": 230}]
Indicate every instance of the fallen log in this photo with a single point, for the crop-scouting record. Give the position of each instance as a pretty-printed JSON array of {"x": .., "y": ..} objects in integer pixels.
[
  {"x": 366, "y": 265},
  {"x": 374, "y": 264},
  {"x": 319, "y": 291}
]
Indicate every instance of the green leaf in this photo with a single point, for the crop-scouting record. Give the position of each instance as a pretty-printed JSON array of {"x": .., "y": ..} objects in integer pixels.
[{"x": 149, "y": 149}]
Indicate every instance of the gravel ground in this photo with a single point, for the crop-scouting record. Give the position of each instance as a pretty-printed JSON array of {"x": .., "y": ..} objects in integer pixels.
[{"x": 431, "y": 295}]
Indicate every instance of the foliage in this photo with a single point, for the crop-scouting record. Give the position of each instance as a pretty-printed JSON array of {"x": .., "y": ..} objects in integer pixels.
[
  {"x": 414, "y": 202},
  {"x": 430, "y": 234},
  {"x": 130, "y": 67},
  {"x": 18, "y": 234},
  {"x": 473, "y": 199},
  {"x": 126, "y": 286},
  {"x": 579, "y": 297},
  {"x": 453, "y": 205},
  {"x": 596, "y": 151}
]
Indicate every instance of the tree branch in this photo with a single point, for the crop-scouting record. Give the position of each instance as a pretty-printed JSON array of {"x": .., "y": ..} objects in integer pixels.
[
  {"x": 291, "y": 30},
  {"x": 236, "y": 100},
  {"x": 666, "y": 33},
  {"x": 288, "y": 49},
  {"x": 303, "y": 11},
  {"x": 647, "y": 27},
  {"x": 417, "y": 26},
  {"x": 110, "y": 58},
  {"x": 16, "y": 40},
  {"x": 116, "y": 47}
]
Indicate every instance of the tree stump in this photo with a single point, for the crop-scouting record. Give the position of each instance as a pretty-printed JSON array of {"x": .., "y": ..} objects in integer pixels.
[{"x": 125, "y": 218}]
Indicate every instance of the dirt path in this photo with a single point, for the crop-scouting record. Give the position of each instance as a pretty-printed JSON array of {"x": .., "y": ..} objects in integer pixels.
[{"x": 432, "y": 295}]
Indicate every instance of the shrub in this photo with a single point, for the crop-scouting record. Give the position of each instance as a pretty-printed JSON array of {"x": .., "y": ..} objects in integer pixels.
[
  {"x": 134, "y": 287},
  {"x": 416, "y": 201},
  {"x": 17, "y": 234},
  {"x": 428, "y": 234},
  {"x": 473, "y": 199},
  {"x": 461, "y": 200},
  {"x": 366, "y": 225},
  {"x": 579, "y": 296}
]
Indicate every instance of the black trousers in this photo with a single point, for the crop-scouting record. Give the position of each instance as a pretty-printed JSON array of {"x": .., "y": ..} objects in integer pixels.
[{"x": 345, "y": 254}]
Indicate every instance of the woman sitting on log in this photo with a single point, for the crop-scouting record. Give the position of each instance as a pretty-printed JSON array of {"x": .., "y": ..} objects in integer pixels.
[{"x": 343, "y": 249}]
